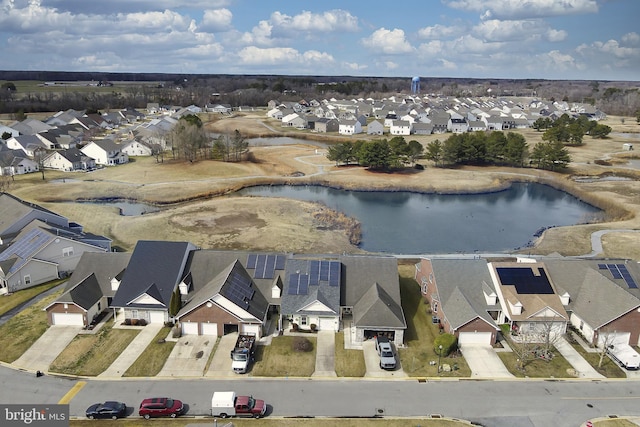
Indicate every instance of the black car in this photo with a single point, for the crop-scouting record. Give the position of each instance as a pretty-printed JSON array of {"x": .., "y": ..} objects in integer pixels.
[{"x": 109, "y": 409}]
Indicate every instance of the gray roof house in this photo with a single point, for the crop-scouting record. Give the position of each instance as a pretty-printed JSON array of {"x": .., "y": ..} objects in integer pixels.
[
  {"x": 150, "y": 281},
  {"x": 16, "y": 213}
]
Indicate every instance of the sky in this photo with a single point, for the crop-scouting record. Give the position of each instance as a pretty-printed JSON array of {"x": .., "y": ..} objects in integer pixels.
[{"x": 539, "y": 39}]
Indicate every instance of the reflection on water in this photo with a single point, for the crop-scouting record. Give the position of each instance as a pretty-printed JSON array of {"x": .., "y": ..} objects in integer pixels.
[{"x": 412, "y": 223}]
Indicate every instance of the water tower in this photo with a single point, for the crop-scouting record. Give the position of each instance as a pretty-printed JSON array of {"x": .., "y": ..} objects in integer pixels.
[{"x": 415, "y": 85}]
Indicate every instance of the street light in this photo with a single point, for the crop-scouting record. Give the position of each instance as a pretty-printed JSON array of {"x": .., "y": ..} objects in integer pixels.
[{"x": 439, "y": 356}]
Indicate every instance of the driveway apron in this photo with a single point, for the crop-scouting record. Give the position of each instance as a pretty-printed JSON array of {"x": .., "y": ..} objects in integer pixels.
[
  {"x": 372, "y": 362},
  {"x": 582, "y": 367},
  {"x": 325, "y": 354},
  {"x": 189, "y": 357},
  {"x": 133, "y": 351},
  {"x": 484, "y": 362},
  {"x": 46, "y": 348},
  {"x": 221, "y": 361}
]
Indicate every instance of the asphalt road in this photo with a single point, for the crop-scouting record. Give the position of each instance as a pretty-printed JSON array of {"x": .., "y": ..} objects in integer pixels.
[{"x": 523, "y": 403}]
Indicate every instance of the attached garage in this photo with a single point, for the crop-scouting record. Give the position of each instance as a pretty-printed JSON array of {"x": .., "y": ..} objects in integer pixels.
[
  {"x": 471, "y": 338},
  {"x": 68, "y": 319},
  {"x": 189, "y": 328},
  {"x": 328, "y": 323},
  {"x": 157, "y": 317},
  {"x": 209, "y": 329}
]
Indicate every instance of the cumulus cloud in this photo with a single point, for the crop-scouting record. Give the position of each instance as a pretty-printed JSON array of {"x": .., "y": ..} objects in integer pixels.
[
  {"x": 116, "y": 6},
  {"x": 439, "y": 31},
  {"x": 252, "y": 55},
  {"x": 329, "y": 21},
  {"x": 632, "y": 39},
  {"x": 390, "y": 42},
  {"x": 354, "y": 66},
  {"x": 516, "y": 9},
  {"x": 517, "y": 30},
  {"x": 216, "y": 20}
]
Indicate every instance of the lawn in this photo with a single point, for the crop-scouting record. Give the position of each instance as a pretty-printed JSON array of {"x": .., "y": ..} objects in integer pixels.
[
  {"x": 609, "y": 368},
  {"x": 419, "y": 358},
  {"x": 23, "y": 329},
  {"x": 281, "y": 360},
  {"x": 91, "y": 354},
  {"x": 348, "y": 363},
  {"x": 153, "y": 357},
  {"x": 283, "y": 422},
  {"x": 557, "y": 367},
  {"x": 8, "y": 302}
]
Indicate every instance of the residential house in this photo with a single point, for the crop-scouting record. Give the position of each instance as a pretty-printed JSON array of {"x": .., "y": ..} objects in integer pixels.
[
  {"x": 400, "y": 127},
  {"x": 69, "y": 160},
  {"x": 16, "y": 162},
  {"x": 458, "y": 125},
  {"x": 105, "y": 152},
  {"x": 30, "y": 126},
  {"x": 7, "y": 130},
  {"x": 477, "y": 126},
  {"x": 38, "y": 254},
  {"x": 375, "y": 128},
  {"x": 29, "y": 144},
  {"x": 89, "y": 290},
  {"x": 324, "y": 125},
  {"x": 294, "y": 120},
  {"x": 15, "y": 214},
  {"x": 349, "y": 127},
  {"x": 138, "y": 148},
  {"x": 422, "y": 128},
  {"x": 218, "y": 108}
]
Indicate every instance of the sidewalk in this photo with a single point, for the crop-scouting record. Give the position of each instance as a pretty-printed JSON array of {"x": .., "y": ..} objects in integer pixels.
[
  {"x": 582, "y": 367},
  {"x": 133, "y": 351}
]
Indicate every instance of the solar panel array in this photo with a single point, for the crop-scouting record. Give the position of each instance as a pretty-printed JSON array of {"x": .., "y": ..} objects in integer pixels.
[
  {"x": 324, "y": 271},
  {"x": 239, "y": 289},
  {"x": 620, "y": 271},
  {"x": 27, "y": 245},
  {"x": 298, "y": 284},
  {"x": 265, "y": 266}
]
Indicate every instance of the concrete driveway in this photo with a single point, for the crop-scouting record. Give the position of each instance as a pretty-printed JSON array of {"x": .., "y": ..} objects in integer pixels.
[
  {"x": 582, "y": 367},
  {"x": 325, "y": 354},
  {"x": 46, "y": 348},
  {"x": 484, "y": 362},
  {"x": 372, "y": 362},
  {"x": 133, "y": 351},
  {"x": 221, "y": 361},
  {"x": 189, "y": 357}
]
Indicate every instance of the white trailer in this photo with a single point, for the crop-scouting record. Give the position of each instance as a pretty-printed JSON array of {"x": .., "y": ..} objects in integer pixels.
[{"x": 624, "y": 355}]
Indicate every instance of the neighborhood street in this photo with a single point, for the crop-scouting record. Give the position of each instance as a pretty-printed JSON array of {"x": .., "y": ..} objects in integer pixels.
[{"x": 505, "y": 403}]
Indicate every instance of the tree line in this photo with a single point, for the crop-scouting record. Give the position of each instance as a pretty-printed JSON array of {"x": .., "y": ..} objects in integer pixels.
[
  {"x": 569, "y": 130},
  {"x": 379, "y": 154}
]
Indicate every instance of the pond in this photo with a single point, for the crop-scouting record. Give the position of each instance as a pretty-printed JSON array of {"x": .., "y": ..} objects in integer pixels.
[
  {"x": 414, "y": 223},
  {"x": 129, "y": 208}
]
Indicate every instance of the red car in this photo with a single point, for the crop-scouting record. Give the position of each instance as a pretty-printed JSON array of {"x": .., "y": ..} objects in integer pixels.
[{"x": 160, "y": 407}]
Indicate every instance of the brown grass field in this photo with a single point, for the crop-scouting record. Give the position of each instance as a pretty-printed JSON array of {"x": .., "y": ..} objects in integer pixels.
[{"x": 201, "y": 209}]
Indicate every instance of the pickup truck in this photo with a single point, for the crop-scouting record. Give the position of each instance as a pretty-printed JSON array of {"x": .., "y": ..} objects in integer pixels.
[
  {"x": 386, "y": 353},
  {"x": 226, "y": 404},
  {"x": 243, "y": 353}
]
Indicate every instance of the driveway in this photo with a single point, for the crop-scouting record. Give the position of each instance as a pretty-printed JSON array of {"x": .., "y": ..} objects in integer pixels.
[
  {"x": 582, "y": 367},
  {"x": 46, "y": 348},
  {"x": 484, "y": 362},
  {"x": 133, "y": 351},
  {"x": 189, "y": 357},
  {"x": 325, "y": 354},
  {"x": 372, "y": 362},
  {"x": 221, "y": 361}
]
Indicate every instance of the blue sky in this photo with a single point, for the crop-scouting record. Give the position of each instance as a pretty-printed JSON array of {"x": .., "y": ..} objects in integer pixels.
[{"x": 550, "y": 39}]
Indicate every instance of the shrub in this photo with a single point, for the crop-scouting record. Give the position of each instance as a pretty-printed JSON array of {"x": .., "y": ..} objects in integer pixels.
[
  {"x": 294, "y": 327},
  {"x": 302, "y": 344},
  {"x": 127, "y": 322},
  {"x": 447, "y": 341},
  {"x": 313, "y": 327},
  {"x": 177, "y": 333},
  {"x": 142, "y": 322},
  {"x": 134, "y": 322}
]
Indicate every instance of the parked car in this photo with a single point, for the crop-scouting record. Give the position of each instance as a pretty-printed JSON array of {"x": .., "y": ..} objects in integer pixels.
[
  {"x": 160, "y": 407},
  {"x": 385, "y": 351},
  {"x": 109, "y": 409}
]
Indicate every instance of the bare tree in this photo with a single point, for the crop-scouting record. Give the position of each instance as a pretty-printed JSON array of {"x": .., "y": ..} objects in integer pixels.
[
  {"x": 606, "y": 337},
  {"x": 38, "y": 156},
  {"x": 5, "y": 182}
]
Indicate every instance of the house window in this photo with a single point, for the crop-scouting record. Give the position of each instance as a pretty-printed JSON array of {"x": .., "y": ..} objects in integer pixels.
[
  {"x": 27, "y": 280},
  {"x": 99, "y": 306},
  {"x": 303, "y": 320},
  {"x": 435, "y": 307},
  {"x": 581, "y": 325},
  {"x": 134, "y": 314},
  {"x": 67, "y": 252}
]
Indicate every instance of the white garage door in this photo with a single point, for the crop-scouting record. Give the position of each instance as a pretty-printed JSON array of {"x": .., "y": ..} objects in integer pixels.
[
  {"x": 209, "y": 329},
  {"x": 467, "y": 338},
  {"x": 189, "y": 328},
  {"x": 327, "y": 324},
  {"x": 71, "y": 319},
  {"x": 156, "y": 317},
  {"x": 613, "y": 338}
]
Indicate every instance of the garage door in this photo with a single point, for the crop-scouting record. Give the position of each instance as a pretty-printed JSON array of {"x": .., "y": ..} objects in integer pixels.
[
  {"x": 613, "y": 338},
  {"x": 189, "y": 328},
  {"x": 468, "y": 338},
  {"x": 209, "y": 329},
  {"x": 327, "y": 324},
  {"x": 156, "y": 317},
  {"x": 71, "y": 319}
]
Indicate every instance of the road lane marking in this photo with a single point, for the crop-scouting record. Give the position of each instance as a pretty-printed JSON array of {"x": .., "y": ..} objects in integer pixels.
[{"x": 72, "y": 393}]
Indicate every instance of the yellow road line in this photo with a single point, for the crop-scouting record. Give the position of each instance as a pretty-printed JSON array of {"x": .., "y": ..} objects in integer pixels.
[{"x": 72, "y": 393}]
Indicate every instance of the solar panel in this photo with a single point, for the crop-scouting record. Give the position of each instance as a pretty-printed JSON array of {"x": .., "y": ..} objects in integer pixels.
[
  {"x": 251, "y": 261},
  {"x": 314, "y": 272},
  {"x": 293, "y": 284},
  {"x": 324, "y": 271},
  {"x": 269, "y": 267},
  {"x": 280, "y": 261},
  {"x": 334, "y": 273},
  {"x": 602, "y": 266},
  {"x": 303, "y": 284},
  {"x": 627, "y": 276},
  {"x": 614, "y": 271},
  {"x": 259, "y": 273}
]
